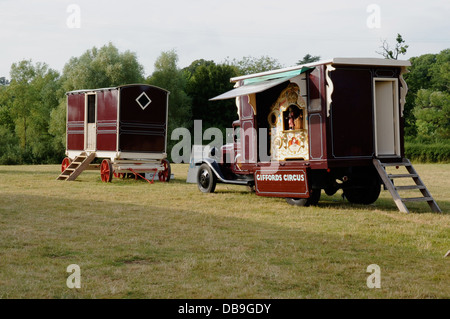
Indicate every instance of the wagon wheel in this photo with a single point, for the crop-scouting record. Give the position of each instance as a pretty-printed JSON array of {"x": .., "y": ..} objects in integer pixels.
[
  {"x": 65, "y": 163},
  {"x": 164, "y": 175},
  {"x": 106, "y": 171}
]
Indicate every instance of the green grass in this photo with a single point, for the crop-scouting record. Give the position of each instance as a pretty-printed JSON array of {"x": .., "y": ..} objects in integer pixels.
[{"x": 167, "y": 240}]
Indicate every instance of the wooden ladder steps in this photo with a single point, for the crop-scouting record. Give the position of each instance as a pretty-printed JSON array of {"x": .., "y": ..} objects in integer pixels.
[
  {"x": 79, "y": 164},
  {"x": 402, "y": 175},
  {"x": 396, "y": 164},
  {"x": 409, "y": 187},
  {"x": 419, "y": 185},
  {"x": 417, "y": 199}
]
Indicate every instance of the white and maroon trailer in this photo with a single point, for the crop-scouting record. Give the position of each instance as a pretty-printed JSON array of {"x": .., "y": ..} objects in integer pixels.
[
  {"x": 126, "y": 126},
  {"x": 328, "y": 125}
]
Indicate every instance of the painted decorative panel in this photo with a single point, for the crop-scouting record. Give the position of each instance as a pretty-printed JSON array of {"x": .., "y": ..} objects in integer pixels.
[{"x": 288, "y": 125}]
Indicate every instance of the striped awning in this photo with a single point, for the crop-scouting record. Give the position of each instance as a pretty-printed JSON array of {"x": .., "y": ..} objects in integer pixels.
[{"x": 259, "y": 86}]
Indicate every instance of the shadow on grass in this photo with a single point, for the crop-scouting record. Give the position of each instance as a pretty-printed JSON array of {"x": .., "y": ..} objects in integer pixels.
[{"x": 339, "y": 203}]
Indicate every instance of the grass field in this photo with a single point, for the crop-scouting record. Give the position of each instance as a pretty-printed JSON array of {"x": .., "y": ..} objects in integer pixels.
[{"x": 167, "y": 240}]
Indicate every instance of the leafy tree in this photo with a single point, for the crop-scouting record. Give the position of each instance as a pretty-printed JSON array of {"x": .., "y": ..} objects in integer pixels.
[
  {"x": 440, "y": 71},
  {"x": 400, "y": 48},
  {"x": 208, "y": 80},
  {"x": 432, "y": 112},
  {"x": 250, "y": 65},
  {"x": 5, "y": 109},
  {"x": 30, "y": 98},
  {"x": 10, "y": 152},
  {"x": 96, "y": 68},
  {"x": 308, "y": 58},
  {"x": 57, "y": 128},
  {"x": 194, "y": 65},
  {"x": 104, "y": 67},
  {"x": 429, "y": 72},
  {"x": 167, "y": 75}
]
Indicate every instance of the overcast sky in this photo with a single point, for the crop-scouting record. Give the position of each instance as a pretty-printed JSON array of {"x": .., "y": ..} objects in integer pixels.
[{"x": 52, "y": 31}]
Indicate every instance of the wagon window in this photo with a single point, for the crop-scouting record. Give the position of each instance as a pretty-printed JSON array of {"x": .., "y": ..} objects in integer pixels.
[{"x": 91, "y": 108}]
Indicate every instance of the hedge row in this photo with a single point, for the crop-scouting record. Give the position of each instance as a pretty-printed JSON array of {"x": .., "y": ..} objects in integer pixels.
[{"x": 428, "y": 153}]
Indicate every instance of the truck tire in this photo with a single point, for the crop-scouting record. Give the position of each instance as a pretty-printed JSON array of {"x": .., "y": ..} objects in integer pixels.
[
  {"x": 311, "y": 201},
  {"x": 363, "y": 194},
  {"x": 206, "y": 179}
]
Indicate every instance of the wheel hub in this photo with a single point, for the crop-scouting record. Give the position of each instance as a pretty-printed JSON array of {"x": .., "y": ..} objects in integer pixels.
[{"x": 204, "y": 179}]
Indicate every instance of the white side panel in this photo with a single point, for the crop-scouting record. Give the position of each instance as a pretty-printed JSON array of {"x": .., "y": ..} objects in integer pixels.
[
  {"x": 386, "y": 111},
  {"x": 91, "y": 137}
]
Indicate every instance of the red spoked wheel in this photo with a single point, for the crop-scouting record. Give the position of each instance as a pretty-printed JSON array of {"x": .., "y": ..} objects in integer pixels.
[
  {"x": 164, "y": 175},
  {"x": 106, "y": 171},
  {"x": 65, "y": 163}
]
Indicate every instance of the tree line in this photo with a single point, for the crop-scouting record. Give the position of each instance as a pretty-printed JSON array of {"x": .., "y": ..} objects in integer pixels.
[{"x": 33, "y": 102}]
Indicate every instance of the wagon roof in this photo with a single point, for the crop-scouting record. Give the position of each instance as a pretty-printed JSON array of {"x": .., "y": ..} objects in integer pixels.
[
  {"x": 258, "y": 82},
  {"x": 114, "y": 88},
  {"x": 341, "y": 61}
]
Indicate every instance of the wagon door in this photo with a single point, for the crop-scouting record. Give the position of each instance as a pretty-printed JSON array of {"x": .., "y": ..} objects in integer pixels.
[
  {"x": 386, "y": 111},
  {"x": 107, "y": 120},
  {"x": 75, "y": 122},
  {"x": 91, "y": 129},
  {"x": 248, "y": 145}
]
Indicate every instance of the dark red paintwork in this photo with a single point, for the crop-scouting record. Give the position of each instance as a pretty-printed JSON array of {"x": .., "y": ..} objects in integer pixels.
[
  {"x": 75, "y": 121},
  {"x": 107, "y": 120},
  {"x": 120, "y": 117},
  {"x": 339, "y": 140},
  {"x": 284, "y": 182},
  {"x": 143, "y": 130},
  {"x": 350, "y": 122}
]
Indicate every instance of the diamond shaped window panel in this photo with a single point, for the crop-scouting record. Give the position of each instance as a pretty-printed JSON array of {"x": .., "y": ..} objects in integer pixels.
[{"x": 143, "y": 100}]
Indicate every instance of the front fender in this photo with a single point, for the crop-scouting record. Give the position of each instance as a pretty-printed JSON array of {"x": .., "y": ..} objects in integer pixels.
[
  {"x": 215, "y": 167},
  {"x": 212, "y": 163}
]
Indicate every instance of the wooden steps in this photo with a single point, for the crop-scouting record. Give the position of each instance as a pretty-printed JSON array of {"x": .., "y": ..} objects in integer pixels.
[
  {"x": 79, "y": 164},
  {"x": 388, "y": 179}
]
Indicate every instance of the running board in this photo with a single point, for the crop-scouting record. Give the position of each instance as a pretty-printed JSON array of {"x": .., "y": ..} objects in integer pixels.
[
  {"x": 419, "y": 185},
  {"x": 229, "y": 181},
  {"x": 220, "y": 178}
]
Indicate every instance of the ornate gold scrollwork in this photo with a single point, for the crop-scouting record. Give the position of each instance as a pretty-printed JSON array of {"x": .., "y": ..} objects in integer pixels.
[{"x": 287, "y": 119}]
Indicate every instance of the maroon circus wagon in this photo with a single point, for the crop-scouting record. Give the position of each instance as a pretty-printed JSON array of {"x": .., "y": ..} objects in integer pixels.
[
  {"x": 323, "y": 126},
  {"x": 126, "y": 126}
]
